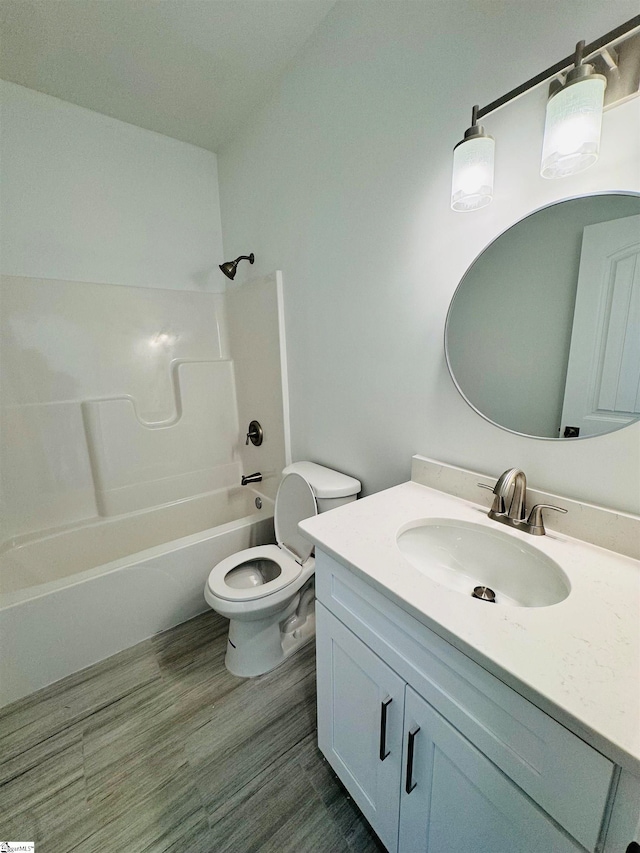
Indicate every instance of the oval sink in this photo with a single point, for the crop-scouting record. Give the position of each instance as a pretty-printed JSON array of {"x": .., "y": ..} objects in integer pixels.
[{"x": 461, "y": 556}]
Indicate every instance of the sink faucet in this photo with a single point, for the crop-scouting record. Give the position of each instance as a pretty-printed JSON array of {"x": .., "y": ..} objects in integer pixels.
[
  {"x": 516, "y": 514},
  {"x": 516, "y": 478}
]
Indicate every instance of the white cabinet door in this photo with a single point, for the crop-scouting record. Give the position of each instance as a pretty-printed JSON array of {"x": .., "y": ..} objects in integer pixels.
[
  {"x": 360, "y": 716},
  {"x": 454, "y": 799}
]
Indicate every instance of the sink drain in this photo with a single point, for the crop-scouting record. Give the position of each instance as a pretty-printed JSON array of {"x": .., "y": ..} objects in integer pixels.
[{"x": 484, "y": 593}]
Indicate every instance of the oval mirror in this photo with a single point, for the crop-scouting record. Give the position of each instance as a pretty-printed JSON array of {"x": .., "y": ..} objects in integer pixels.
[{"x": 543, "y": 333}]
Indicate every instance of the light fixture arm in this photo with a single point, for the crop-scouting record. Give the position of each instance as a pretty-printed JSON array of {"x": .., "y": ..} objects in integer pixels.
[
  {"x": 475, "y": 129},
  {"x": 583, "y": 51}
]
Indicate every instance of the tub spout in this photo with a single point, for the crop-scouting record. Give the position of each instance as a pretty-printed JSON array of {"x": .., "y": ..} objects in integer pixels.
[{"x": 251, "y": 478}]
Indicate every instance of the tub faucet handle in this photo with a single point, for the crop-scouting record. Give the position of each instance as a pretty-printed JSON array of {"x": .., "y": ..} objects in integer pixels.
[{"x": 255, "y": 434}]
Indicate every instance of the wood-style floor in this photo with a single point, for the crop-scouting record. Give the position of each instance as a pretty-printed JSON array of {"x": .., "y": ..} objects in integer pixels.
[{"x": 160, "y": 749}]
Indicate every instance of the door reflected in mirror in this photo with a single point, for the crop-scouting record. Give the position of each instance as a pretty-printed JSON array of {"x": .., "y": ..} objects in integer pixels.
[{"x": 543, "y": 333}]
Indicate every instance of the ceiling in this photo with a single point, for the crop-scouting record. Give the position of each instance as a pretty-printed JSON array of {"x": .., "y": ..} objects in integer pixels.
[{"x": 190, "y": 69}]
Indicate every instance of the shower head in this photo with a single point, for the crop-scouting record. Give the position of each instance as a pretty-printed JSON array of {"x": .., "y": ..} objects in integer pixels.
[{"x": 229, "y": 268}]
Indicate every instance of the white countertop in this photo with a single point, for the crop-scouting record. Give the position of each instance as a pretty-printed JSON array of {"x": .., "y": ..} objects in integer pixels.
[{"x": 578, "y": 660}]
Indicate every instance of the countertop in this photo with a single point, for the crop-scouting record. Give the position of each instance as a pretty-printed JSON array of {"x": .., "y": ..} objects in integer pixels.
[{"x": 578, "y": 660}]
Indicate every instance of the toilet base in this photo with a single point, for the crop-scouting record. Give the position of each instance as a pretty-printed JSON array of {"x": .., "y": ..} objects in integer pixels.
[{"x": 256, "y": 647}]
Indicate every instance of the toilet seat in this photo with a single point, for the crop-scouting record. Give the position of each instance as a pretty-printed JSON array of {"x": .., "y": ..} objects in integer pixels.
[
  {"x": 295, "y": 501},
  {"x": 289, "y": 571}
]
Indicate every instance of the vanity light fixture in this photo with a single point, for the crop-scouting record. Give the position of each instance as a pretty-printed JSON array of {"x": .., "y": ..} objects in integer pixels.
[
  {"x": 577, "y": 95},
  {"x": 472, "y": 183},
  {"x": 574, "y": 118}
]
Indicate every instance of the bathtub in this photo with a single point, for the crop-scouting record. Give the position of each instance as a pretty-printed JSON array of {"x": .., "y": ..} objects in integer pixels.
[{"x": 78, "y": 595}]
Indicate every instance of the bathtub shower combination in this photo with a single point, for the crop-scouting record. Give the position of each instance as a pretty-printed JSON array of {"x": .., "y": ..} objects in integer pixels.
[{"x": 121, "y": 469}]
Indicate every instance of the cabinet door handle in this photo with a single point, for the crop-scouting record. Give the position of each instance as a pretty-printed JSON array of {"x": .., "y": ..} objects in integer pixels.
[
  {"x": 409, "y": 784},
  {"x": 384, "y": 752}
]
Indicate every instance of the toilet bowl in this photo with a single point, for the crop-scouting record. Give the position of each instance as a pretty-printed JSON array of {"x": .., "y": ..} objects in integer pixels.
[{"x": 267, "y": 592}]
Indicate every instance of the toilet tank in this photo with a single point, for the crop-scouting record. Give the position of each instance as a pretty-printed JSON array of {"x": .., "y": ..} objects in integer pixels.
[{"x": 331, "y": 488}]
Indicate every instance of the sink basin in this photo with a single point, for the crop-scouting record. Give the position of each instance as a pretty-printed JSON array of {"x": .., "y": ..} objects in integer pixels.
[{"x": 462, "y": 556}]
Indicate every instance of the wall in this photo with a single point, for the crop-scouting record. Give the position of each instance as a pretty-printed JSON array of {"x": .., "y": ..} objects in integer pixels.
[
  {"x": 343, "y": 182},
  {"x": 88, "y": 198},
  {"x": 113, "y": 397}
]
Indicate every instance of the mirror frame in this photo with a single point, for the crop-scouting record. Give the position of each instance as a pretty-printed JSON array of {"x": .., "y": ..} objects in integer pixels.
[{"x": 634, "y": 193}]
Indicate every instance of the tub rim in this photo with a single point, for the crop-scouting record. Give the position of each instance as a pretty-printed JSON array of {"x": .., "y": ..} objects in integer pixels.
[{"x": 20, "y": 596}]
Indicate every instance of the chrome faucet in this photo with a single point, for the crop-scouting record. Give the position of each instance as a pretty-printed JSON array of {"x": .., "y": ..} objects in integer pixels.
[{"x": 516, "y": 514}]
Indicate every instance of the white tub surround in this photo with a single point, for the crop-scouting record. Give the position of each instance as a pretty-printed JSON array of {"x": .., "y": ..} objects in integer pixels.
[
  {"x": 577, "y": 660},
  {"x": 254, "y": 313},
  {"x": 113, "y": 399}
]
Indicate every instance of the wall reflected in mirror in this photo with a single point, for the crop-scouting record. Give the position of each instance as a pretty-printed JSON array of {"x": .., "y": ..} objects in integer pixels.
[{"x": 543, "y": 333}]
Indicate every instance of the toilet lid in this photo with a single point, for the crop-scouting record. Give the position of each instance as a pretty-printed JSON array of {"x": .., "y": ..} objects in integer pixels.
[{"x": 295, "y": 501}]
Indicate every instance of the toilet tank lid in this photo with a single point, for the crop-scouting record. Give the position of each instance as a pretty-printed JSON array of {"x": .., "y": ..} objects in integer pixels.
[{"x": 325, "y": 482}]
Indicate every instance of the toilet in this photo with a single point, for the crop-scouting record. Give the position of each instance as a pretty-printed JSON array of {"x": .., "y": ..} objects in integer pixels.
[{"x": 268, "y": 592}]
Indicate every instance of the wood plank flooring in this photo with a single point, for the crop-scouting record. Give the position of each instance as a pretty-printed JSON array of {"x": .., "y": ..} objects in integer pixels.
[{"x": 160, "y": 750}]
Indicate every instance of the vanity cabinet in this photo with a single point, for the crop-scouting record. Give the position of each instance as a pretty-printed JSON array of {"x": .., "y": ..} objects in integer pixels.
[
  {"x": 360, "y": 728},
  {"x": 454, "y": 798},
  {"x": 440, "y": 755}
]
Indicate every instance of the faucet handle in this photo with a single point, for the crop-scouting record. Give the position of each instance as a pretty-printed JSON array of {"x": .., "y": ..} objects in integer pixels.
[
  {"x": 255, "y": 434},
  {"x": 498, "y": 501},
  {"x": 535, "y": 523}
]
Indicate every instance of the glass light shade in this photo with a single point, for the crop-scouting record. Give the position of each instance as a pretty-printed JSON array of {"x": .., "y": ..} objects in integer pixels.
[
  {"x": 572, "y": 128},
  {"x": 472, "y": 183}
]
